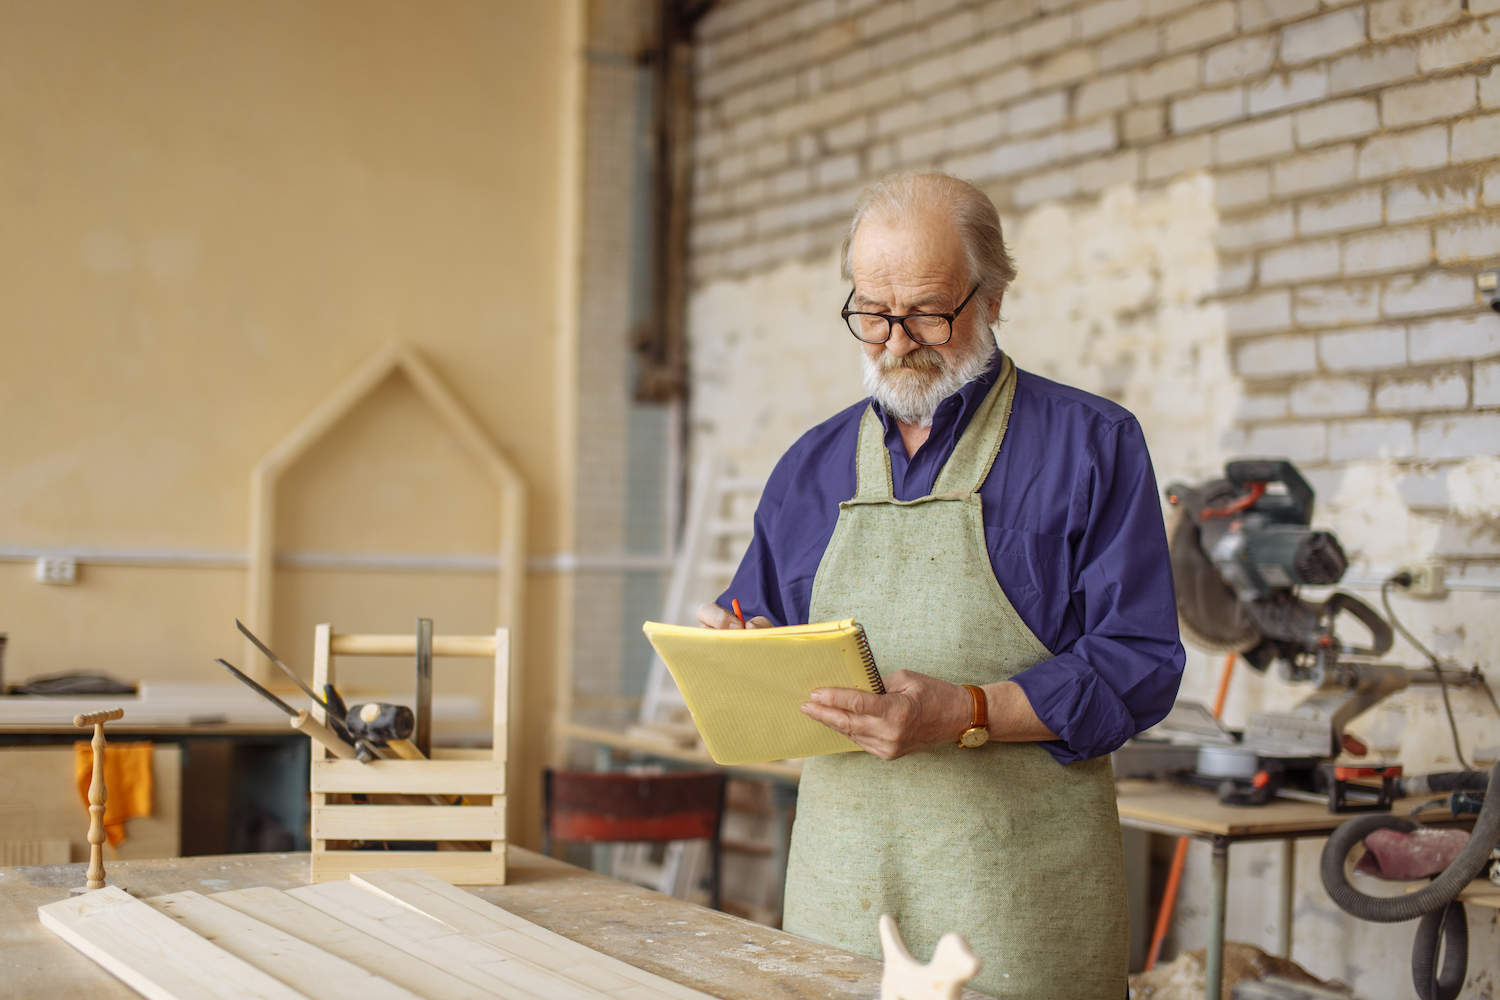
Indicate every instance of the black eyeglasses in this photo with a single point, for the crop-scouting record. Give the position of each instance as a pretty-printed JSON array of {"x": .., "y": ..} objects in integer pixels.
[{"x": 927, "y": 329}]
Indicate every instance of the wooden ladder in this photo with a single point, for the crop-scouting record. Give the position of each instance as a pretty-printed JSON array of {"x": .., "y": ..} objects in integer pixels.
[{"x": 720, "y": 523}]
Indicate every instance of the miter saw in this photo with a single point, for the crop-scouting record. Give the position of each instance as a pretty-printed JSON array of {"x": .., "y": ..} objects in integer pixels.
[{"x": 1241, "y": 548}]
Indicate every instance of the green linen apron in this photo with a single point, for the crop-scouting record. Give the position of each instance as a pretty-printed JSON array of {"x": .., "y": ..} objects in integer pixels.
[{"x": 1015, "y": 851}]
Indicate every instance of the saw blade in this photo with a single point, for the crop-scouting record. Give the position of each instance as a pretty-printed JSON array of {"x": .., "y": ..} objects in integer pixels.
[
  {"x": 277, "y": 660},
  {"x": 1209, "y": 613}
]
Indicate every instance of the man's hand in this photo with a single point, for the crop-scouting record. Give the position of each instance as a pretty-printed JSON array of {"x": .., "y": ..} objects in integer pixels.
[
  {"x": 713, "y": 616},
  {"x": 918, "y": 712}
]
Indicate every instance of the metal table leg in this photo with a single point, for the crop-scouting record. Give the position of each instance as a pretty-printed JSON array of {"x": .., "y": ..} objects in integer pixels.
[
  {"x": 1214, "y": 966},
  {"x": 599, "y": 854},
  {"x": 783, "y": 801},
  {"x": 1288, "y": 895}
]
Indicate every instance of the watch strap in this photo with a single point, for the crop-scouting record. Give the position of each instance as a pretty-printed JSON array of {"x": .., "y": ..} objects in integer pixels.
[{"x": 981, "y": 707}]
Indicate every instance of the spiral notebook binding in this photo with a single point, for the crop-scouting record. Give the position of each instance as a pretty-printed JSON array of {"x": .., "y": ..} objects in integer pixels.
[{"x": 872, "y": 672}]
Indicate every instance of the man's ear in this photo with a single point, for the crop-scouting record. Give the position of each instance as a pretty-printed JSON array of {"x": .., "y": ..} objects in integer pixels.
[{"x": 992, "y": 310}]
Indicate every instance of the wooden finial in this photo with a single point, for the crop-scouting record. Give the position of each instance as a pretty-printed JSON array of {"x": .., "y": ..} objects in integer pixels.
[
  {"x": 952, "y": 965},
  {"x": 97, "y": 793},
  {"x": 95, "y": 718}
]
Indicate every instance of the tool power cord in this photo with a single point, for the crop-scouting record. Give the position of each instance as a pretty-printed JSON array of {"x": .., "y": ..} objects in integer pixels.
[
  {"x": 1404, "y": 580},
  {"x": 1443, "y": 918}
]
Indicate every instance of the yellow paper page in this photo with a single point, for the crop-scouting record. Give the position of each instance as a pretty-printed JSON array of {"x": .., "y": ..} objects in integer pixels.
[{"x": 744, "y": 686}]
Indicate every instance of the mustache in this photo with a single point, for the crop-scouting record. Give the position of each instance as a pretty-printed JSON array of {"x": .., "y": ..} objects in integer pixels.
[{"x": 922, "y": 361}]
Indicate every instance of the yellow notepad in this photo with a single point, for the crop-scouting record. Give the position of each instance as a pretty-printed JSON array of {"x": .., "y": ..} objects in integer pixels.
[{"x": 744, "y": 686}]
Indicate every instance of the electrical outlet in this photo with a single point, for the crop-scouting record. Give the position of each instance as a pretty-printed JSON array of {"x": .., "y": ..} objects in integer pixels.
[
  {"x": 59, "y": 570},
  {"x": 1428, "y": 580}
]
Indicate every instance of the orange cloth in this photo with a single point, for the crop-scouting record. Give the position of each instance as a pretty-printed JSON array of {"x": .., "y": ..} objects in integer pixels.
[{"x": 127, "y": 783}]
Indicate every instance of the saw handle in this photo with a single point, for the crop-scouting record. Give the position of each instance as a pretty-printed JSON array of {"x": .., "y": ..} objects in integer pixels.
[
  {"x": 1381, "y": 635},
  {"x": 1295, "y": 507}
]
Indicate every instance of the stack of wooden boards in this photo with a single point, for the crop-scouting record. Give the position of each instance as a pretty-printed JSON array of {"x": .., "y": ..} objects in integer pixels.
[{"x": 392, "y": 935}]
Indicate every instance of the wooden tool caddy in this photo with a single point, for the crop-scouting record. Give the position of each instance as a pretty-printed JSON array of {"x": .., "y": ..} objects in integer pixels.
[{"x": 477, "y": 776}]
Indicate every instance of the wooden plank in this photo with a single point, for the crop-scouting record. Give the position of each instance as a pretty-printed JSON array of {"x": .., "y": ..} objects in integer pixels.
[
  {"x": 420, "y": 892},
  {"x": 406, "y": 645},
  {"x": 424, "y": 822},
  {"x": 294, "y": 917},
  {"x": 299, "y": 964},
  {"x": 484, "y": 921},
  {"x": 412, "y": 777},
  {"x": 415, "y": 934},
  {"x": 590, "y": 969},
  {"x": 1480, "y": 892},
  {"x": 153, "y": 954},
  {"x": 458, "y": 867},
  {"x": 461, "y": 753},
  {"x": 500, "y": 734}
]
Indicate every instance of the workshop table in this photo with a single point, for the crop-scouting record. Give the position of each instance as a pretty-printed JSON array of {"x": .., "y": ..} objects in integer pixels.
[
  {"x": 781, "y": 775},
  {"x": 1182, "y": 811},
  {"x": 614, "y": 738},
  {"x": 714, "y": 952}
]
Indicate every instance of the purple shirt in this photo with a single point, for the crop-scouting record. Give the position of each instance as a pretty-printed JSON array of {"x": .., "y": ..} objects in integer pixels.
[{"x": 1074, "y": 532}]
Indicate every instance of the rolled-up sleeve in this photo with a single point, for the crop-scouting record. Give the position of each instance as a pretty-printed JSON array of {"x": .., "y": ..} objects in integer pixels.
[
  {"x": 755, "y": 584},
  {"x": 1121, "y": 675}
]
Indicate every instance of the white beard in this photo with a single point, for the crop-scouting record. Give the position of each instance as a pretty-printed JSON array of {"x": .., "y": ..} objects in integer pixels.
[{"x": 910, "y": 388}]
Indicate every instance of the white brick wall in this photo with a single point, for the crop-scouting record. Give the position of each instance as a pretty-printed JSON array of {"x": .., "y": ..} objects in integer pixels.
[
  {"x": 1353, "y": 440},
  {"x": 1355, "y": 149},
  {"x": 1363, "y": 349}
]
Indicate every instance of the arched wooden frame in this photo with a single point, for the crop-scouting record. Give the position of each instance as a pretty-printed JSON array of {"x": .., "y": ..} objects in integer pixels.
[{"x": 264, "y": 478}]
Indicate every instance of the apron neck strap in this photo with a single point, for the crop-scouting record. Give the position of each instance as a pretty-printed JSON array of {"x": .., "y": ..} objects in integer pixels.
[
  {"x": 966, "y": 468},
  {"x": 873, "y": 460},
  {"x": 969, "y": 465}
]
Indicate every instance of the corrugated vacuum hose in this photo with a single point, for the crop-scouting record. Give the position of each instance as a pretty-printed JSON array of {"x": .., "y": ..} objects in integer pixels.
[
  {"x": 1445, "y": 929},
  {"x": 1446, "y": 922}
]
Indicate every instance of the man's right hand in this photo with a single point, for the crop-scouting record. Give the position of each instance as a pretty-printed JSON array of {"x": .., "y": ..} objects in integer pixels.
[{"x": 713, "y": 616}]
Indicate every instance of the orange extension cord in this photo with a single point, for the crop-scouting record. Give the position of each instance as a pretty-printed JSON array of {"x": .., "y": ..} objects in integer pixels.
[{"x": 1174, "y": 876}]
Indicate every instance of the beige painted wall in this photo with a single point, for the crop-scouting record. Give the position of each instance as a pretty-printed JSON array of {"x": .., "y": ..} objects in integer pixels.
[{"x": 212, "y": 214}]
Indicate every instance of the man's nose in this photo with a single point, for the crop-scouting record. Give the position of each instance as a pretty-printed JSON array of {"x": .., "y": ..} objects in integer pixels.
[{"x": 900, "y": 344}]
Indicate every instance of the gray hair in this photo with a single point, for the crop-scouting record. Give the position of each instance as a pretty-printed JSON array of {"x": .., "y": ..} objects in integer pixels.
[{"x": 971, "y": 211}]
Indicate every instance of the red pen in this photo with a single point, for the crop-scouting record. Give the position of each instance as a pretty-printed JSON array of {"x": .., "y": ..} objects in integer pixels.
[{"x": 735, "y": 602}]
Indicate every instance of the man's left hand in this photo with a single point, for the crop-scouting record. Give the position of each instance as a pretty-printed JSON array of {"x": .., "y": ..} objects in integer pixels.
[{"x": 916, "y": 712}]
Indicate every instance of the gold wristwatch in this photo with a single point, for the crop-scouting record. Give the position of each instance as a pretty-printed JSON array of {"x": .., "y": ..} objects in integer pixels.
[{"x": 978, "y": 734}]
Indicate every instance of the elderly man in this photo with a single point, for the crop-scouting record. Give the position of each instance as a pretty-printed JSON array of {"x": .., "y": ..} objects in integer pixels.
[{"x": 1000, "y": 538}]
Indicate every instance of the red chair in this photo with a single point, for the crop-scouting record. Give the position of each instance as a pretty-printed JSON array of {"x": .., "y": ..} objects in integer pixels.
[{"x": 594, "y": 807}]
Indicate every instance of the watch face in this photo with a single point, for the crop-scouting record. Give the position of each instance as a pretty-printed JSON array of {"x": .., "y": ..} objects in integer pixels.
[{"x": 975, "y": 737}]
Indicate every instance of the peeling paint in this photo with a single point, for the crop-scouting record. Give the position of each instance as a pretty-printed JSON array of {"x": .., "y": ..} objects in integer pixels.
[{"x": 1113, "y": 297}]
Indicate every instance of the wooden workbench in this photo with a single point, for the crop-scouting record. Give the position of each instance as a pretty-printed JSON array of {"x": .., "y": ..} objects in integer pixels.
[
  {"x": 1194, "y": 812},
  {"x": 713, "y": 952}
]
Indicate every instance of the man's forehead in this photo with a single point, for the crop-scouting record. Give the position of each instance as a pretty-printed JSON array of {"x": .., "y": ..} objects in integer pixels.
[{"x": 913, "y": 255}]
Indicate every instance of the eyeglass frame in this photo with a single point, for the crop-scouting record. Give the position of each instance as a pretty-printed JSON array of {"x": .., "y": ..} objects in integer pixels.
[{"x": 891, "y": 321}]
